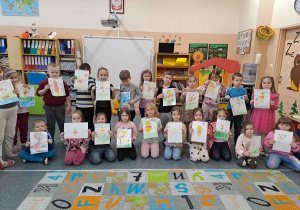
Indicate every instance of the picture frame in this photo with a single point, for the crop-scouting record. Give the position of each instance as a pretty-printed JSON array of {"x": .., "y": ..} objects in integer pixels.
[
  {"x": 117, "y": 6},
  {"x": 244, "y": 41}
]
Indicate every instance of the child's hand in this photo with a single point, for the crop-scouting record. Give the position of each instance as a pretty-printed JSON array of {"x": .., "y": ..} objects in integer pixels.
[
  {"x": 214, "y": 129},
  {"x": 47, "y": 87},
  {"x": 261, "y": 148},
  {"x": 160, "y": 95},
  {"x": 208, "y": 131},
  {"x": 68, "y": 110},
  {"x": 183, "y": 94},
  {"x": 166, "y": 130},
  {"x": 192, "y": 130},
  {"x": 94, "y": 88},
  {"x": 131, "y": 102},
  {"x": 251, "y": 102},
  {"x": 16, "y": 91},
  {"x": 176, "y": 90},
  {"x": 227, "y": 97},
  {"x": 93, "y": 135},
  {"x": 246, "y": 153},
  {"x": 156, "y": 89},
  {"x": 271, "y": 142},
  {"x": 294, "y": 145},
  {"x": 158, "y": 129},
  {"x": 245, "y": 97},
  {"x": 119, "y": 99},
  {"x": 50, "y": 141},
  {"x": 89, "y": 132},
  {"x": 110, "y": 133},
  {"x": 141, "y": 88},
  {"x": 230, "y": 133},
  {"x": 133, "y": 138},
  {"x": 72, "y": 79},
  {"x": 272, "y": 103},
  {"x": 62, "y": 135},
  {"x": 222, "y": 84},
  {"x": 140, "y": 129},
  {"x": 27, "y": 144},
  {"x": 112, "y": 89},
  {"x": 25, "y": 85}
]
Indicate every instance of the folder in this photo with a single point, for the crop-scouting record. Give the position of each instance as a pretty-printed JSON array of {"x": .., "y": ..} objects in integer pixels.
[
  {"x": 3, "y": 46},
  {"x": 36, "y": 46},
  {"x": 72, "y": 47},
  {"x": 53, "y": 50},
  {"x": 32, "y": 47},
  {"x": 62, "y": 48},
  {"x": 29, "y": 62},
  {"x": 69, "y": 46},
  {"x": 28, "y": 46},
  {"x": 43, "y": 47},
  {"x": 36, "y": 62},
  {"x": 50, "y": 47},
  {"x": 49, "y": 60},
  {"x": 42, "y": 64},
  {"x": 46, "y": 63},
  {"x": 46, "y": 48},
  {"x": 26, "y": 61},
  {"x": 24, "y": 46},
  {"x": 0, "y": 45},
  {"x": 38, "y": 66},
  {"x": 39, "y": 47},
  {"x": 32, "y": 62}
]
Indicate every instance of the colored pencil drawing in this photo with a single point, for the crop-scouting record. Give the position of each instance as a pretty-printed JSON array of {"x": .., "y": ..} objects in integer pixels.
[
  {"x": 262, "y": 99},
  {"x": 124, "y": 138},
  {"x": 169, "y": 97},
  {"x": 125, "y": 98},
  {"x": 238, "y": 106},
  {"x": 255, "y": 145},
  {"x": 102, "y": 134},
  {"x": 149, "y": 90},
  {"x": 149, "y": 128},
  {"x": 283, "y": 140},
  {"x": 57, "y": 86},
  {"x": 192, "y": 100},
  {"x": 81, "y": 79},
  {"x": 76, "y": 130},
  {"x": 7, "y": 95},
  {"x": 102, "y": 91},
  {"x": 212, "y": 90},
  {"x": 175, "y": 132},
  {"x": 27, "y": 96},
  {"x": 200, "y": 132},
  {"x": 222, "y": 129},
  {"x": 38, "y": 142}
]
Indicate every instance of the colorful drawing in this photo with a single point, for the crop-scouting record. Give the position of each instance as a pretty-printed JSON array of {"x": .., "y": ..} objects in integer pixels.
[
  {"x": 175, "y": 132},
  {"x": 38, "y": 142},
  {"x": 102, "y": 134},
  {"x": 124, "y": 138},
  {"x": 222, "y": 129},
  {"x": 125, "y": 98},
  {"x": 200, "y": 132},
  {"x": 149, "y": 128},
  {"x": 262, "y": 98},
  {"x": 169, "y": 97},
  {"x": 27, "y": 96},
  {"x": 149, "y": 90},
  {"x": 76, "y": 130},
  {"x": 81, "y": 80},
  {"x": 283, "y": 140},
  {"x": 213, "y": 90},
  {"x": 7, "y": 95},
  {"x": 102, "y": 91},
  {"x": 192, "y": 100},
  {"x": 238, "y": 106},
  {"x": 57, "y": 86},
  {"x": 255, "y": 145}
]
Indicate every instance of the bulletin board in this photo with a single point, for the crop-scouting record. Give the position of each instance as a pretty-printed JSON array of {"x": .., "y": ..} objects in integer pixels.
[{"x": 244, "y": 40}]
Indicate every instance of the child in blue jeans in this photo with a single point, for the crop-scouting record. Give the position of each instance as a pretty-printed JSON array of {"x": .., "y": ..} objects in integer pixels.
[{"x": 39, "y": 126}]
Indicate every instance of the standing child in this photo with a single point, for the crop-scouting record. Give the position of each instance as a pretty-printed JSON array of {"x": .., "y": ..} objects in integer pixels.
[
  {"x": 76, "y": 148},
  {"x": 276, "y": 157},
  {"x": 219, "y": 148},
  {"x": 236, "y": 91},
  {"x": 127, "y": 86},
  {"x": 99, "y": 151},
  {"x": 264, "y": 119},
  {"x": 150, "y": 143},
  {"x": 124, "y": 122},
  {"x": 173, "y": 150},
  {"x": 39, "y": 126},
  {"x": 210, "y": 105},
  {"x": 198, "y": 151},
  {"x": 103, "y": 106},
  {"x": 54, "y": 107}
]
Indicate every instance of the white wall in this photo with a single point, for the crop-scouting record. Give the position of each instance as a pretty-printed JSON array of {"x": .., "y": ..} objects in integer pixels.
[
  {"x": 284, "y": 14},
  {"x": 248, "y": 11}
]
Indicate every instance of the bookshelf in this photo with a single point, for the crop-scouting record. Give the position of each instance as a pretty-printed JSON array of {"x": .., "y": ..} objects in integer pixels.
[
  {"x": 10, "y": 54},
  {"x": 69, "y": 54}
]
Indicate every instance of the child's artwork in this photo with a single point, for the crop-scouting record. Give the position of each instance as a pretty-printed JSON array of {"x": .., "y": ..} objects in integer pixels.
[
  {"x": 7, "y": 95},
  {"x": 27, "y": 96},
  {"x": 222, "y": 129},
  {"x": 125, "y": 98},
  {"x": 149, "y": 90},
  {"x": 76, "y": 130},
  {"x": 212, "y": 90},
  {"x": 200, "y": 132},
  {"x": 38, "y": 142},
  {"x": 169, "y": 97},
  {"x": 102, "y": 133},
  {"x": 149, "y": 128},
  {"x": 124, "y": 138},
  {"x": 261, "y": 99},
  {"x": 192, "y": 100},
  {"x": 57, "y": 86},
  {"x": 81, "y": 80},
  {"x": 238, "y": 106},
  {"x": 102, "y": 91},
  {"x": 255, "y": 145},
  {"x": 283, "y": 140},
  {"x": 175, "y": 132}
]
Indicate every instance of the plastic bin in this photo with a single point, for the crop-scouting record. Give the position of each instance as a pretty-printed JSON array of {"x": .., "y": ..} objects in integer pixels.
[{"x": 35, "y": 78}]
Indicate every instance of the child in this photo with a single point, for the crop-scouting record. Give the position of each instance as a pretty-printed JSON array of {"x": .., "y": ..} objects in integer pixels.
[
  {"x": 209, "y": 105},
  {"x": 84, "y": 101},
  {"x": 173, "y": 150},
  {"x": 145, "y": 76},
  {"x": 99, "y": 151},
  {"x": 219, "y": 148},
  {"x": 127, "y": 86},
  {"x": 124, "y": 122},
  {"x": 54, "y": 107},
  {"x": 150, "y": 143},
  {"x": 76, "y": 148},
  {"x": 39, "y": 126},
  {"x": 276, "y": 157},
  {"x": 264, "y": 119},
  {"x": 243, "y": 156},
  {"x": 198, "y": 151},
  {"x": 8, "y": 113},
  {"x": 103, "y": 106},
  {"x": 236, "y": 91}
]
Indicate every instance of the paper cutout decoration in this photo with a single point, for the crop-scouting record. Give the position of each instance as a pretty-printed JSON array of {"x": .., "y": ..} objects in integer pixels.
[
  {"x": 7, "y": 95},
  {"x": 169, "y": 97},
  {"x": 149, "y": 90},
  {"x": 149, "y": 128},
  {"x": 283, "y": 140},
  {"x": 192, "y": 100},
  {"x": 261, "y": 98},
  {"x": 124, "y": 138},
  {"x": 102, "y": 134},
  {"x": 238, "y": 106},
  {"x": 81, "y": 80},
  {"x": 255, "y": 145},
  {"x": 125, "y": 98},
  {"x": 212, "y": 90},
  {"x": 175, "y": 132},
  {"x": 27, "y": 96},
  {"x": 222, "y": 129},
  {"x": 57, "y": 86},
  {"x": 200, "y": 132},
  {"x": 76, "y": 130},
  {"x": 102, "y": 91},
  {"x": 38, "y": 142}
]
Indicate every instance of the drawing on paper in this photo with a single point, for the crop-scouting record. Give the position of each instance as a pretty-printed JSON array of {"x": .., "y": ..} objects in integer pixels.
[
  {"x": 125, "y": 98},
  {"x": 149, "y": 90},
  {"x": 283, "y": 140},
  {"x": 149, "y": 128},
  {"x": 262, "y": 99},
  {"x": 213, "y": 90},
  {"x": 27, "y": 96},
  {"x": 192, "y": 100},
  {"x": 175, "y": 132},
  {"x": 76, "y": 130},
  {"x": 169, "y": 97},
  {"x": 57, "y": 86},
  {"x": 7, "y": 95},
  {"x": 81, "y": 79},
  {"x": 255, "y": 145},
  {"x": 200, "y": 132},
  {"x": 102, "y": 91},
  {"x": 124, "y": 138},
  {"x": 222, "y": 129},
  {"x": 238, "y": 106},
  {"x": 102, "y": 133},
  {"x": 38, "y": 142}
]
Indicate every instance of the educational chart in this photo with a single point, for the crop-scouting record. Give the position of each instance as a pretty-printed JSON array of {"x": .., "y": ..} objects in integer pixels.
[
  {"x": 213, "y": 90},
  {"x": 149, "y": 90},
  {"x": 255, "y": 145},
  {"x": 27, "y": 96},
  {"x": 164, "y": 189},
  {"x": 125, "y": 98},
  {"x": 76, "y": 130},
  {"x": 261, "y": 98},
  {"x": 102, "y": 91},
  {"x": 149, "y": 127},
  {"x": 218, "y": 51},
  {"x": 81, "y": 80},
  {"x": 102, "y": 133},
  {"x": 175, "y": 132},
  {"x": 194, "y": 47},
  {"x": 38, "y": 142},
  {"x": 57, "y": 86},
  {"x": 20, "y": 7},
  {"x": 238, "y": 106},
  {"x": 200, "y": 132},
  {"x": 283, "y": 140},
  {"x": 192, "y": 100},
  {"x": 7, "y": 95},
  {"x": 169, "y": 97},
  {"x": 222, "y": 129},
  {"x": 124, "y": 138}
]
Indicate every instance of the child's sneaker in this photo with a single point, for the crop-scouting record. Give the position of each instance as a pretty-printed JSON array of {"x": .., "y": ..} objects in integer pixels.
[
  {"x": 45, "y": 161},
  {"x": 24, "y": 161},
  {"x": 12, "y": 157},
  {"x": 16, "y": 151},
  {"x": 7, "y": 164}
]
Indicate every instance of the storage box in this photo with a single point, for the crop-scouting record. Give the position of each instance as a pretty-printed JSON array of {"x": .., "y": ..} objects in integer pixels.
[
  {"x": 169, "y": 61},
  {"x": 181, "y": 62}
]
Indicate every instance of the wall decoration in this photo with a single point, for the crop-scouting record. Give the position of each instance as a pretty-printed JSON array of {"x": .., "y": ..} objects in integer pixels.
[
  {"x": 102, "y": 133},
  {"x": 38, "y": 142},
  {"x": 222, "y": 129},
  {"x": 238, "y": 106},
  {"x": 255, "y": 145},
  {"x": 27, "y": 96},
  {"x": 149, "y": 90},
  {"x": 196, "y": 49},
  {"x": 169, "y": 97},
  {"x": 125, "y": 98},
  {"x": 76, "y": 130},
  {"x": 294, "y": 108},
  {"x": 262, "y": 98},
  {"x": 57, "y": 86},
  {"x": 169, "y": 38},
  {"x": 149, "y": 128},
  {"x": 192, "y": 100},
  {"x": 81, "y": 80},
  {"x": 102, "y": 91},
  {"x": 20, "y": 8},
  {"x": 116, "y": 6},
  {"x": 200, "y": 132},
  {"x": 175, "y": 132},
  {"x": 283, "y": 140},
  {"x": 262, "y": 35},
  {"x": 218, "y": 51},
  {"x": 124, "y": 138},
  {"x": 7, "y": 95},
  {"x": 295, "y": 75},
  {"x": 280, "y": 108},
  {"x": 244, "y": 41}
]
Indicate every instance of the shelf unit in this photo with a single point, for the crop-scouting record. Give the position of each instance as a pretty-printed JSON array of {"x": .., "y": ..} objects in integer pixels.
[
  {"x": 12, "y": 53},
  {"x": 69, "y": 60}
]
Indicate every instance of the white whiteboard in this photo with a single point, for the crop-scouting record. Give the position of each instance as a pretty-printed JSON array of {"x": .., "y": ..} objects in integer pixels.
[{"x": 117, "y": 54}]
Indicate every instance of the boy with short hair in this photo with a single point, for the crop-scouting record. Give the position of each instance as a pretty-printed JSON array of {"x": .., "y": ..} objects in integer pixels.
[{"x": 54, "y": 107}]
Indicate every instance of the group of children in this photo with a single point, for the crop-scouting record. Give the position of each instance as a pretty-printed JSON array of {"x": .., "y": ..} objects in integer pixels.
[{"x": 261, "y": 123}]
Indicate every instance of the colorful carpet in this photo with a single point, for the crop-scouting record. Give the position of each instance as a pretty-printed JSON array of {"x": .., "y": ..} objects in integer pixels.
[{"x": 164, "y": 189}]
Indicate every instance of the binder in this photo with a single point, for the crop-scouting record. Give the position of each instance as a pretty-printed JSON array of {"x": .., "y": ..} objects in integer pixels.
[
  {"x": 26, "y": 61},
  {"x": 36, "y": 46},
  {"x": 53, "y": 50},
  {"x": 43, "y": 47},
  {"x": 46, "y": 63},
  {"x": 72, "y": 47},
  {"x": 50, "y": 47},
  {"x": 32, "y": 62},
  {"x": 49, "y": 60},
  {"x": 29, "y": 62},
  {"x": 69, "y": 46},
  {"x": 32, "y": 46},
  {"x": 38, "y": 66},
  {"x": 46, "y": 48},
  {"x": 39, "y": 47},
  {"x": 24, "y": 46},
  {"x": 3, "y": 46},
  {"x": 62, "y": 47},
  {"x": 36, "y": 62},
  {"x": 28, "y": 46},
  {"x": 42, "y": 64}
]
